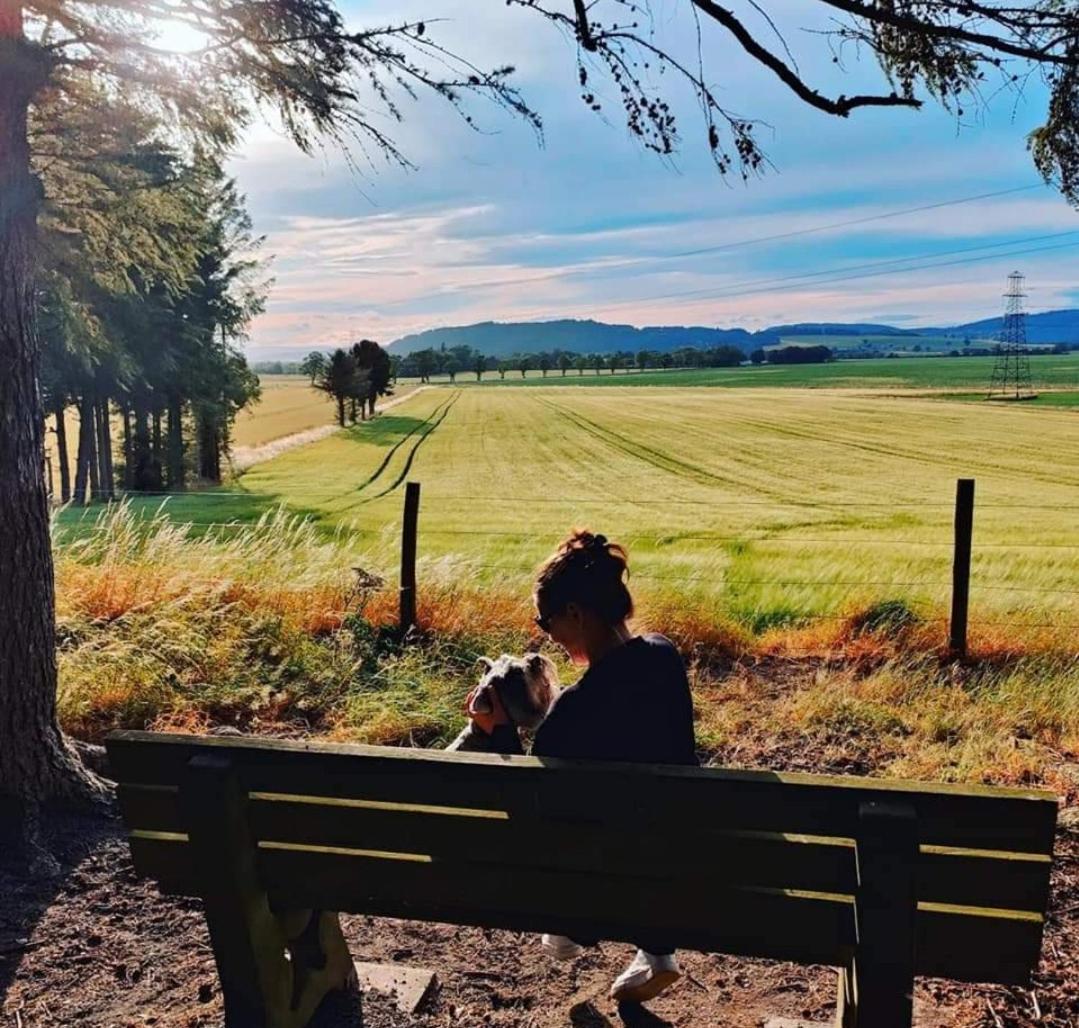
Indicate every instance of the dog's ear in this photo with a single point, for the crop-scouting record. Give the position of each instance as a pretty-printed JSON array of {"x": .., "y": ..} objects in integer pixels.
[
  {"x": 486, "y": 663},
  {"x": 540, "y": 679}
]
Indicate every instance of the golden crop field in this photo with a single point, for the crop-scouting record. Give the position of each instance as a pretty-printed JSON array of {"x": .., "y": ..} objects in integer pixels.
[
  {"x": 288, "y": 405},
  {"x": 773, "y": 504}
]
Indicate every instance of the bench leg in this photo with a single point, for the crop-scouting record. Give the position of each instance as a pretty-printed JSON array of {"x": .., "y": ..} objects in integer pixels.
[
  {"x": 846, "y": 1006},
  {"x": 320, "y": 959},
  {"x": 876, "y": 987},
  {"x": 261, "y": 984}
]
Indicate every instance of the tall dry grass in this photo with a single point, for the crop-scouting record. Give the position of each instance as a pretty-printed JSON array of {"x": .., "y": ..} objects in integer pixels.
[{"x": 271, "y": 629}]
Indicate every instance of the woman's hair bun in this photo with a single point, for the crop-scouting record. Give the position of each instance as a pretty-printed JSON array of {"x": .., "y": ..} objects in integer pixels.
[{"x": 587, "y": 569}]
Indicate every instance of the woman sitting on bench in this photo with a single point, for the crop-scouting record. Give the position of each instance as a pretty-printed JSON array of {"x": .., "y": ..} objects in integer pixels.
[{"x": 632, "y": 703}]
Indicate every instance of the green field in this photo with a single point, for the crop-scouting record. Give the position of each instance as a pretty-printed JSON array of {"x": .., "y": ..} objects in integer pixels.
[
  {"x": 1053, "y": 371},
  {"x": 770, "y": 505},
  {"x": 884, "y": 343}
]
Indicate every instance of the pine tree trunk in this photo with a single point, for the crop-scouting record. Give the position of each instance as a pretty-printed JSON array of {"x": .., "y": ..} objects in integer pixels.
[
  {"x": 209, "y": 449},
  {"x": 177, "y": 482},
  {"x": 141, "y": 459},
  {"x": 61, "y": 451},
  {"x": 88, "y": 419},
  {"x": 125, "y": 413},
  {"x": 157, "y": 462},
  {"x": 82, "y": 457},
  {"x": 104, "y": 449},
  {"x": 36, "y": 763}
]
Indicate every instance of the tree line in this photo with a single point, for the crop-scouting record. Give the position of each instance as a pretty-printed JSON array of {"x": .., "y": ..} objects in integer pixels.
[
  {"x": 456, "y": 360},
  {"x": 149, "y": 276},
  {"x": 354, "y": 378}
]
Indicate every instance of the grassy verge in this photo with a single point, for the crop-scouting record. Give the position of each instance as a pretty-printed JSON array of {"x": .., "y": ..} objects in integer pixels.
[{"x": 272, "y": 631}]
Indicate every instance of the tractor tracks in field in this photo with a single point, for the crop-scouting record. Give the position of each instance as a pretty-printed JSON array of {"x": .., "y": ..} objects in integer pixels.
[
  {"x": 401, "y": 442},
  {"x": 656, "y": 458},
  {"x": 431, "y": 423},
  {"x": 923, "y": 457}
]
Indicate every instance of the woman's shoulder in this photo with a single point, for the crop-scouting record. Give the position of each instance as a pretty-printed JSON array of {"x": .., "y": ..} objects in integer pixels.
[{"x": 659, "y": 644}]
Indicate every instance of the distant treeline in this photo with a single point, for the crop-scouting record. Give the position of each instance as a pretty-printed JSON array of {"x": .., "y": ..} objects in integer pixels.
[
  {"x": 793, "y": 355},
  {"x": 457, "y": 360}
]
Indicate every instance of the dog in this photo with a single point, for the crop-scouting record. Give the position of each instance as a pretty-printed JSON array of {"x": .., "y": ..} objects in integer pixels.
[{"x": 527, "y": 687}]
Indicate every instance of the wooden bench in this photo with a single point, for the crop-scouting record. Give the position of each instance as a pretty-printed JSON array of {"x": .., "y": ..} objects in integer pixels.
[{"x": 884, "y": 880}]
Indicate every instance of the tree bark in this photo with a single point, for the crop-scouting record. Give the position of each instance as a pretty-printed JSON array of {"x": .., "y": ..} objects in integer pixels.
[
  {"x": 88, "y": 424},
  {"x": 157, "y": 462},
  {"x": 61, "y": 452},
  {"x": 82, "y": 456},
  {"x": 36, "y": 763},
  {"x": 209, "y": 449},
  {"x": 125, "y": 413},
  {"x": 104, "y": 449},
  {"x": 177, "y": 478},
  {"x": 141, "y": 458}
]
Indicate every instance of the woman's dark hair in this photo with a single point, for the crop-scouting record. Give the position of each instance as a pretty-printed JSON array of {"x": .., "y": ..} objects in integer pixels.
[{"x": 587, "y": 570}]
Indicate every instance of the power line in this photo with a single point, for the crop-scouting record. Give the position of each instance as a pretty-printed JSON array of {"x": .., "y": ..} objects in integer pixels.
[
  {"x": 893, "y": 261},
  {"x": 740, "y": 290},
  {"x": 754, "y": 241},
  {"x": 858, "y": 221}
]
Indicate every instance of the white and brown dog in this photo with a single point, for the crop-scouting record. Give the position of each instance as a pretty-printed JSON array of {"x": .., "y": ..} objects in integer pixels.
[{"x": 527, "y": 687}]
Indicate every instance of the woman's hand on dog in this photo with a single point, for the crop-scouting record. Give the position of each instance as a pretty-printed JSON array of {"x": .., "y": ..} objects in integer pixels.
[{"x": 484, "y": 706}]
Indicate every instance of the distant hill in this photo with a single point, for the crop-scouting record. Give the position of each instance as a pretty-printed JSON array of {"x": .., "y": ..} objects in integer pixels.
[
  {"x": 498, "y": 339},
  {"x": 501, "y": 339},
  {"x": 1050, "y": 327}
]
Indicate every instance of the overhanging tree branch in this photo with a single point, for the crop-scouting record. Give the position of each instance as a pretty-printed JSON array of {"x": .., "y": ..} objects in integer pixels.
[{"x": 842, "y": 106}]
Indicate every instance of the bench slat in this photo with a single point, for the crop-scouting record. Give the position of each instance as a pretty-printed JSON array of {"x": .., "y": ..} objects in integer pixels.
[
  {"x": 1015, "y": 882},
  {"x": 651, "y": 798},
  {"x": 816, "y": 928}
]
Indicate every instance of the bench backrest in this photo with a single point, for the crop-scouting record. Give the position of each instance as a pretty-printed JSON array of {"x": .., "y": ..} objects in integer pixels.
[{"x": 744, "y": 862}]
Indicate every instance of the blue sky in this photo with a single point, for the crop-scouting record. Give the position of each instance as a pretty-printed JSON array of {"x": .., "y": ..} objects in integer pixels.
[{"x": 492, "y": 225}]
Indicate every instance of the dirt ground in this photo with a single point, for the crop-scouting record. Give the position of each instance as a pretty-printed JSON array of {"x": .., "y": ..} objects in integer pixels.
[{"x": 96, "y": 947}]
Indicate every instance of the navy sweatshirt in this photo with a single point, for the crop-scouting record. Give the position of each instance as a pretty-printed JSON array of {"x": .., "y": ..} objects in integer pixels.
[{"x": 633, "y": 705}]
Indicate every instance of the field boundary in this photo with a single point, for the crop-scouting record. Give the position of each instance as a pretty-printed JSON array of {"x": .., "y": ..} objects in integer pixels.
[{"x": 244, "y": 457}]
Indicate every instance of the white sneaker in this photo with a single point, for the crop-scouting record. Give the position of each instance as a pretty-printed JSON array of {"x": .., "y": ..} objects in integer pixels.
[
  {"x": 646, "y": 977},
  {"x": 561, "y": 947}
]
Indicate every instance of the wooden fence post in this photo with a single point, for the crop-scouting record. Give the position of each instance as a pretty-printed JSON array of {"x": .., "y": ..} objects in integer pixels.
[
  {"x": 408, "y": 556},
  {"x": 964, "y": 526}
]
